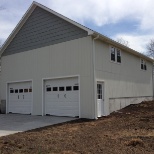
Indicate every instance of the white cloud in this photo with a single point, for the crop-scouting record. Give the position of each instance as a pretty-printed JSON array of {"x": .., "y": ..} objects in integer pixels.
[
  {"x": 5, "y": 30},
  {"x": 107, "y": 11},
  {"x": 98, "y": 12},
  {"x": 136, "y": 42},
  {"x": 10, "y": 16}
]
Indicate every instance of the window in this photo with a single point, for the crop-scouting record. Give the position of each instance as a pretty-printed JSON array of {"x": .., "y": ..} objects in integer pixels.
[
  {"x": 68, "y": 88},
  {"x": 11, "y": 91},
  {"x": 20, "y": 90},
  {"x": 30, "y": 90},
  {"x": 115, "y": 55},
  {"x": 61, "y": 88},
  {"x": 118, "y": 56},
  {"x": 99, "y": 91},
  {"x": 55, "y": 89},
  {"x": 48, "y": 89},
  {"x": 75, "y": 88},
  {"x": 16, "y": 90},
  {"x": 112, "y": 53},
  {"x": 143, "y": 65},
  {"x": 25, "y": 90}
]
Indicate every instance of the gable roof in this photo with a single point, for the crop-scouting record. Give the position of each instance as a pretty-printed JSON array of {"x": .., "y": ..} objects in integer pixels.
[
  {"x": 26, "y": 16},
  {"x": 89, "y": 31}
]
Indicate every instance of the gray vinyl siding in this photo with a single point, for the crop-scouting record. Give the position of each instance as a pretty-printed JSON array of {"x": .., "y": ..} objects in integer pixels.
[{"x": 43, "y": 29}]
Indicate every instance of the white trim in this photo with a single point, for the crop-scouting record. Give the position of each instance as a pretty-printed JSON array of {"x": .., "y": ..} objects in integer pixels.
[
  {"x": 115, "y": 62},
  {"x": 90, "y": 32},
  {"x": 103, "y": 92},
  {"x": 42, "y": 97},
  {"x": 144, "y": 63},
  {"x": 6, "y": 98},
  {"x": 7, "y": 91},
  {"x": 122, "y": 47},
  {"x": 94, "y": 77},
  {"x": 26, "y": 16},
  {"x": 53, "y": 78},
  {"x": 32, "y": 98},
  {"x": 60, "y": 77},
  {"x": 79, "y": 96},
  {"x": 17, "y": 27}
]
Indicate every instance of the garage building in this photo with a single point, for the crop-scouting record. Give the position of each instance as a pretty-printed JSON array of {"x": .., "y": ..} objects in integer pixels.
[{"x": 51, "y": 65}]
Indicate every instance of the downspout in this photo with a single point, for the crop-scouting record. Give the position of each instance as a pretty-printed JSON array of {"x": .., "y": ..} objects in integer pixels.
[{"x": 94, "y": 77}]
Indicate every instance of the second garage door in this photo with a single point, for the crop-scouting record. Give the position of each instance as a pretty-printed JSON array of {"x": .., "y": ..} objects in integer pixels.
[{"x": 62, "y": 97}]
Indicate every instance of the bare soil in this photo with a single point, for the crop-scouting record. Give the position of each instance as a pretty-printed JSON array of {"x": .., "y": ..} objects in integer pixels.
[{"x": 128, "y": 131}]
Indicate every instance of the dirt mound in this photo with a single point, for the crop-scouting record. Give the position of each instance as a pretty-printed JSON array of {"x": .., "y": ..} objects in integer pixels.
[{"x": 130, "y": 130}]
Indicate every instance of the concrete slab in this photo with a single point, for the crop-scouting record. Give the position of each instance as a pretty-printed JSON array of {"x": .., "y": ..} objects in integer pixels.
[{"x": 13, "y": 123}]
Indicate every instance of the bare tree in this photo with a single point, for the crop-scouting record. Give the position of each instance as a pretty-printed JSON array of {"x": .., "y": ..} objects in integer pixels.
[
  {"x": 0, "y": 44},
  {"x": 123, "y": 41},
  {"x": 150, "y": 48}
]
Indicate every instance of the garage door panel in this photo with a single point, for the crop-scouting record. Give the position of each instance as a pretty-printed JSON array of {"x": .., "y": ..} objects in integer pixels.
[
  {"x": 58, "y": 112},
  {"x": 61, "y": 105},
  {"x": 64, "y": 101},
  {"x": 20, "y": 97},
  {"x": 19, "y": 109}
]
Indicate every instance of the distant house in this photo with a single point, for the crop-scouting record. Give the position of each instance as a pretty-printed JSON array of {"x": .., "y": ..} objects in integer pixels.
[{"x": 52, "y": 65}]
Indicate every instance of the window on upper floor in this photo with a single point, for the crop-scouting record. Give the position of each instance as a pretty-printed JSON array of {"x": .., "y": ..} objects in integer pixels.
[
  {"x": 143, "y": 65},
  {"x": 112, "y": 54},
  {"x": 115, "y": 55},
  {"x": 118, "y": 56}
]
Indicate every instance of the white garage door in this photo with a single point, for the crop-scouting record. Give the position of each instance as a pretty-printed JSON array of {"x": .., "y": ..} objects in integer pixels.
[
  {"x": 62, "y": 97},
  {"x": 20, "y": 98}
]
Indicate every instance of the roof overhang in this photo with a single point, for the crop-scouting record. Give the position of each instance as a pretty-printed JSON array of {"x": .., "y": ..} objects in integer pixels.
[
  {"x": 26, "y": 16},
  {"x": 89, "y": 31},
  {"x": 123, "y": 47}
]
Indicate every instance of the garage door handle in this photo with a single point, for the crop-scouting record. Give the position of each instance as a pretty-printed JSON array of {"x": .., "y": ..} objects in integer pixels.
[{"x": 65, "y": 95}]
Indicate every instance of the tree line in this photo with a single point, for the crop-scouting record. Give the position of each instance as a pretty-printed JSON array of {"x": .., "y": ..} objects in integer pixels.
[{"x": 149, "y": 46}]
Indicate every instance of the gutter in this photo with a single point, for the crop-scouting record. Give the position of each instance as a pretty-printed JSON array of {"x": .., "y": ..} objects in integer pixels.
[
  {"x": 94, "y": 78},
  {"x": 126, "y": 49}
]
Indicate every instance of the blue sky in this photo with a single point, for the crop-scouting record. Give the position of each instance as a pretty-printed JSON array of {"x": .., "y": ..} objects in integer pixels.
[{"x": 129, "y": 19}]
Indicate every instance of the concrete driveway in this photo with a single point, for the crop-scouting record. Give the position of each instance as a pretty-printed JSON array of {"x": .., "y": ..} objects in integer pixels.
[{"x": 13, "y": 123}]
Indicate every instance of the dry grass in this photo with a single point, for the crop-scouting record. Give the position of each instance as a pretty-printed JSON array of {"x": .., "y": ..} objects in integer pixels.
[
  {"x": 134, "y": 142},
  {"x": 119, "y": 133}
]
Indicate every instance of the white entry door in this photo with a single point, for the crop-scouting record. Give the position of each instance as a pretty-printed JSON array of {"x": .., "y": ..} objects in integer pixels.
[
  {"x": 62, "y": 97},
  {"x": 20, "y": 97},
  {"x": 100, "y": 98}
]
